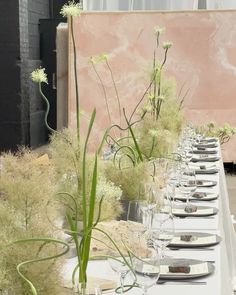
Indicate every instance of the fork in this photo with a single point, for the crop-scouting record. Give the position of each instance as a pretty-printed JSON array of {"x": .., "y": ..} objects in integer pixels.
[
  {"x": 179, "y": 282},
  {"x": 190, "y": 249}
]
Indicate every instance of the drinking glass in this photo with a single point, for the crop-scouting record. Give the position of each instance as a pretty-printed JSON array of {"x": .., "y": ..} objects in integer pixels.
[
  {"x": 138, "y": 212},
  {"x": 87, "y": 289},
  {"x": 148, "y": 193},
  {"x": 118, "y": 265},
  {"x": 146, "y": 268},
  {"x": 188, "y": 184},
  {"x": 162, "y": 232}
]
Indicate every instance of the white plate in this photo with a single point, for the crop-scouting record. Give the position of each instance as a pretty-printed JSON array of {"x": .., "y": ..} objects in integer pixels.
[
  {"x": 207, "y": 197},
  {"x": 201, "y": 211},
  {"x": 199, "y": 240},
  {"x": 197, "y": 268},
  {"x": 206, "y": 183},
  {"x": 206, "y": 158}
]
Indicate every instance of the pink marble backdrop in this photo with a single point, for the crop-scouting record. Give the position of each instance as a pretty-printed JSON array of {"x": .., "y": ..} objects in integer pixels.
[{"x": 203, "y": 59}]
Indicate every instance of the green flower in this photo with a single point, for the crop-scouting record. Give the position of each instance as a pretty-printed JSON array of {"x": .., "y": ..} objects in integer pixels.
[
  {"x": 147, "y": 108},
  {"x": 159, "y": 30},
  {"x": 167, "y": 45},
  {"x": 39, "y": 76},
  {"x": 98, "y": 58},
  {"x": 211, "y": 124},
  {"x": 153, "y": 132},
  {"x": 161, "y": 97},
  {"x": 71, "y": 9},
  {"x": 151, "y": 96}
]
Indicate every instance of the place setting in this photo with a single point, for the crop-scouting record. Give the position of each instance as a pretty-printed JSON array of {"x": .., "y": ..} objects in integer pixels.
[
  {"x": 204, "y": 168},
  {"x": 204, "y": 158},
  {"x": 197, "y": 196}
]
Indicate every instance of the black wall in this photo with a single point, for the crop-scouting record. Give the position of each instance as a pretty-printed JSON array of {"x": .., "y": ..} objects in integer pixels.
[
  {"x": 10, "y": 85},
  {"x": 21, "y": 108}
]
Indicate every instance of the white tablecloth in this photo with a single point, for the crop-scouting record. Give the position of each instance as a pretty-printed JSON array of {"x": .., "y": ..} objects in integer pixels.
[{"x": 223, "y": 280}]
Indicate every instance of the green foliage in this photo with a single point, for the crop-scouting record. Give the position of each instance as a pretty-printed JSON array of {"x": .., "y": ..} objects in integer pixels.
[
  {"x": 157, "y": 138},
  {"x": 128, "y": 179},
  {"x": 26, "y": 200},
  {"x": 62, "y": 149},
  {"x": 224, "y": 133}
]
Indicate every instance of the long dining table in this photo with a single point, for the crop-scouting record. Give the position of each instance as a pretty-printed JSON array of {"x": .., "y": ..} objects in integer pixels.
[{"x": 223, "y": 255}]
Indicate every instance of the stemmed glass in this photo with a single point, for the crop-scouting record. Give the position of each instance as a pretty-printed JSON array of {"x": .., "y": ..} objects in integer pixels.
[
  {"x": 162, "y": 232},
  {"x": 188, "y": 185},
  {"x": 145, "y": 267},
  {"x": 118, "y": 265},
  {"x": 148, "y": 192}
]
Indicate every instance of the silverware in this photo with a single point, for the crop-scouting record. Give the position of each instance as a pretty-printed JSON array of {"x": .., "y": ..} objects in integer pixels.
[
  {"x": 190, "y": 249},
  {"x": 196, "y": 217},
  {"x": 179, "y": 282}
]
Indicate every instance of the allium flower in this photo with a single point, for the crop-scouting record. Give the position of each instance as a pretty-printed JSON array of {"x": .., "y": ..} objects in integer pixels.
[
  {"x": 39, "y": 76},
  {"x": 167, "y": 45},
  {"x": 159, "y": 30},
  {"x": 153, "y": 132},
  {"x": 71, "y": 9},
  {"x": 147, "y": 108},
  {"x": 108, "y": 189},
  {"x": 151, "y": 96},
  {"x": 161, "y": 97},
  {"x": 98, "y": 58}
]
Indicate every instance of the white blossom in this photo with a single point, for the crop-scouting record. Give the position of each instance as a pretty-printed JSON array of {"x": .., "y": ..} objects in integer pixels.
[
  {"x": 39, "y": 76},
  {"x": 167, "y": 45},
  {"x": 71, "y": 9}
]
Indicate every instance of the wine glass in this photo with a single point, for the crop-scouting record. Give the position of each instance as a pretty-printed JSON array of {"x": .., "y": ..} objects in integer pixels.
[
  {"x": 145, "y": 268},
  {"x": 148, "y": 192},
  {"x": 118, "y": 265},
  {"x": 162, "y": 232},
  {"x": 188, "y": 185}
]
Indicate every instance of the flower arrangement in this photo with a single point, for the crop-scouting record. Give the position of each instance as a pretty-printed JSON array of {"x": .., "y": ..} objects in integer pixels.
[
  {"x": 88, "y": 188},
  {"x": 224, "y": 133},
  {"x": 27, "y": 188}
]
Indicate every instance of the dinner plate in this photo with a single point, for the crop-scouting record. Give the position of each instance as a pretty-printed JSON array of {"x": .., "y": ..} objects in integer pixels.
[
  {"x": 201, "y": 211},
  {"x": 205, "y": 145},
  {"x": 194, "y": 239},
  {"x": 206, "y": 171},
  {"x": 208, "y": 139},
  {"x": 206, "y": 183},
  {"x": 202, "y": 196},
  {"x": 205, "y": 159},
  {"x": 193, "y": 268},
  {"x": 207, "y": 152}
]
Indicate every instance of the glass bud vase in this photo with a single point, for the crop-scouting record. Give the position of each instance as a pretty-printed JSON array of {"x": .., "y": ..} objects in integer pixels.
[{"x": 87, "y": 289}]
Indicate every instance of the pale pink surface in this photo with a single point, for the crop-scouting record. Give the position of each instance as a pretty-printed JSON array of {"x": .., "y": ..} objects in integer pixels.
[{"x": 203, "y": 58}]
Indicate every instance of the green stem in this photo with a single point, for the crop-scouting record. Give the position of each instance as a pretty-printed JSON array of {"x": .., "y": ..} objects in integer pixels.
[
  {"x": 104, "y": 92},
  {"x": 152, "y": 147},
  {"x": 116, "y": 91},
  {"x": 76, "y": 80},
  {"x": 87, "y": 241},
  {"x": 133, "y": 137},
  {"x": 47, "y": 240},
  {"x": 87, "y": 223},
  {"x": 47, "y": 109}
]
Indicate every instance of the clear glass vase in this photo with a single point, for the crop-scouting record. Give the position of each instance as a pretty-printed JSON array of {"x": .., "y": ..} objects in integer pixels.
[{"x": 87, "y": 289}]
